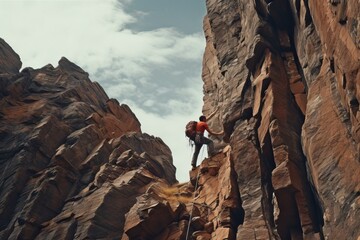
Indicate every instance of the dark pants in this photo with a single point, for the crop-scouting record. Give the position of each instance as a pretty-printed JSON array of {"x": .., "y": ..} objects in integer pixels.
[{"x": 199, "y": 141}]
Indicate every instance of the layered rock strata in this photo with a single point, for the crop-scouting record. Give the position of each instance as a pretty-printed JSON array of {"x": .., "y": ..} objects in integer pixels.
[{"x": 283, "y": 78}]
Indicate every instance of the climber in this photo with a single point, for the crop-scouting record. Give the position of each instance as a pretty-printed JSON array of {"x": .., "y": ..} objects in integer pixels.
[{"x": 200, "y": 139}]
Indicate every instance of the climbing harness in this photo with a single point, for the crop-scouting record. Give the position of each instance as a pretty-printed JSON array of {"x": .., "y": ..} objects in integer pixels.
[{"x": 192, "y": 207}]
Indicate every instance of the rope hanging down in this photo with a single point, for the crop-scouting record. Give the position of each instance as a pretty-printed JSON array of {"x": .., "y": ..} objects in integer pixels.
[{"x": 192, "y": 207}]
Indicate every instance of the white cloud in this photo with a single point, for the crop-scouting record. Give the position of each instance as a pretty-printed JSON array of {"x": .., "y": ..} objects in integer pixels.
[
  {"x": 94, "y": 35},
  {"x": 149, "y": 103},
  {"x": 119, "y": 89},
  {"x": 90, "y": 28}
]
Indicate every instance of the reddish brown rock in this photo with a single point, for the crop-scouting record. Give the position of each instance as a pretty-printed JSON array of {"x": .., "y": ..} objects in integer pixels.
[
  {"x": 217, "y": 198},
  {"x": 61, "y": 137},
  {"x": 213, "y": 208},
  {"x": 282, "y": 77},
  {"x": 147, "y": 218}
]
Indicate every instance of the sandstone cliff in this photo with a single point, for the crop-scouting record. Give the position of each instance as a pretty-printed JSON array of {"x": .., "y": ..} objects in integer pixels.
[{"x": 284, "y": 77}]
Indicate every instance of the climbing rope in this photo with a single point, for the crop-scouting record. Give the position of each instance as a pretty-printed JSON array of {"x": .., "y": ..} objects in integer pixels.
[{"x": 196, "y": 184}]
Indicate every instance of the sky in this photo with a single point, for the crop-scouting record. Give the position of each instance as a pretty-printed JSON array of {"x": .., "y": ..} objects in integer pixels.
[{"x": 145, "y": 53}]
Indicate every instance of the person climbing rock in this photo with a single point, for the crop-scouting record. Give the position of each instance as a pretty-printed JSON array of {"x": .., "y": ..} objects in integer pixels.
[{"x": 200, "y": 139}]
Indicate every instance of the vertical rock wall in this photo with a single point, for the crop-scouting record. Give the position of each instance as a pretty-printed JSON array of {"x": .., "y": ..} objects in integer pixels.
[{"x": 283, "y": 78}]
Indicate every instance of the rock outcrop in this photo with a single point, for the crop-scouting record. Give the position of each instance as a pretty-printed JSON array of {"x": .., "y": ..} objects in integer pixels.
[
  {"x": 72, "y": 161},
  {"x": 284, "y": 79}
]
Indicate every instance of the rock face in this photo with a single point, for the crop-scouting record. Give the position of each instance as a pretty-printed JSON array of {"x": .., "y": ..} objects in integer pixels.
[
  {"x": 208, "y": 207},
  {"x": 72, "y": 161},
  {"x": 284, "y": 79}
]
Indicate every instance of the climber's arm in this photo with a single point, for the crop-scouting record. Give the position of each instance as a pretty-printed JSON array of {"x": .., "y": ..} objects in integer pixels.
[{"x": 214, "y": 133}]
